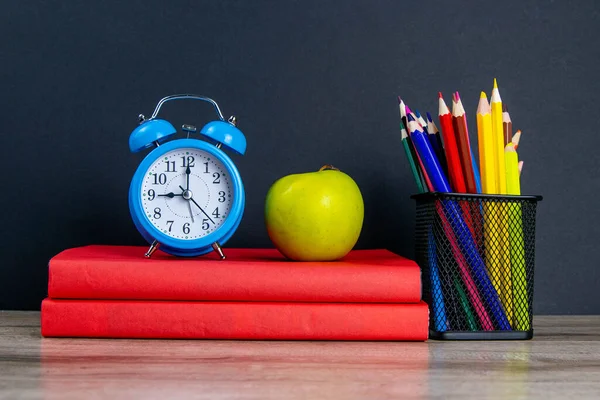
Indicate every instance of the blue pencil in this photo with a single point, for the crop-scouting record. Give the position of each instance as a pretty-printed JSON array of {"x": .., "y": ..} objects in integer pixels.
[
  {"x": 476, "y": 173},
  {"x": 433, "y": 142},
  {"x": 462, "y": 232},
  {"x": 439, "y": 307}
]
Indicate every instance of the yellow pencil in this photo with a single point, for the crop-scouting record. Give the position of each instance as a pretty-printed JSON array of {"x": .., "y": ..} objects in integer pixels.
[
  {"x": 517, "y": 248},
  {"x": 487, "y": 155},
  {"x": 501, "y": 213},
  {"x": 498, "y": 133},
  {"x": 491, "y": 215}
]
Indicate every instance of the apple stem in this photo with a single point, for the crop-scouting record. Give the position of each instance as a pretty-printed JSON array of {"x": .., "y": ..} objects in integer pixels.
[{"x": 324, "y": 167}]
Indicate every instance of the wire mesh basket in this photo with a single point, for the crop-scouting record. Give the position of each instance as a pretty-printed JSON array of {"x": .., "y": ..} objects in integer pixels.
[{"x": 477, "y": 254}]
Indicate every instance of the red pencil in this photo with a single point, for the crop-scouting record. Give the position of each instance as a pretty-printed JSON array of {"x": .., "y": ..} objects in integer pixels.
[
  {"x": 457, "y": 180},
  {"x": 459, "y": 124}
]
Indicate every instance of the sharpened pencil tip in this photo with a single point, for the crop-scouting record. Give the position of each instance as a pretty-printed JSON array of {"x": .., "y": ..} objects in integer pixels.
[
  {"x": 418, "y": 114},
  {"x": 504, "y": 109},
  {"x": 402, "y": 126},
  {"x": 399, "y": 100},
  {"x": 483, "y": 95},
  {"x": 516, "y": 138},
  {"x": 410, "y": 117},
  {"x": 440, "y": 95},
  {"x": 495, "y": 84},
  {"x": 457, "y": 97},
  {"x": 429, "y": 117},
  {"x": 407, "y": 110}
]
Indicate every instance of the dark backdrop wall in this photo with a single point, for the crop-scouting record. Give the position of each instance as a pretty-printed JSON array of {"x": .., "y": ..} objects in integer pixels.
[{"x": 312, "y": 82}]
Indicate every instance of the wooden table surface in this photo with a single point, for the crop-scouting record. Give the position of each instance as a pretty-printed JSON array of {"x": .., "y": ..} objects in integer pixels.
[{"x": 562, "y": 361}]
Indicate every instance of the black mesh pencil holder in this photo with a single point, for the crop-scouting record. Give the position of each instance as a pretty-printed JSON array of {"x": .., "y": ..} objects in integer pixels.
[{"x": 477, "y": 255}]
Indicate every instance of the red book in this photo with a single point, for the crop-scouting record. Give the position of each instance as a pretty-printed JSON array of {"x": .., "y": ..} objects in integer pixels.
[
  {"x": 122, "y": 272},
  {"x": 233, "y": 320}
]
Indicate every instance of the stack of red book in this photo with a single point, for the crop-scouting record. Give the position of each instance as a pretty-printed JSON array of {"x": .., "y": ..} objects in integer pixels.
[{"x": 114, "y": 292}]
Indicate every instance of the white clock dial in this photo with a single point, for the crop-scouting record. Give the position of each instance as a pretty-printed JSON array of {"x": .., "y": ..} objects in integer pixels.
[{"x": 182, "y": 209}]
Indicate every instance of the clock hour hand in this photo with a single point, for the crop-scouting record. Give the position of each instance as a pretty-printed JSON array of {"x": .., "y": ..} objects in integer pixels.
[
  {"x": 169, "y": 195},
  {"x": 198, "y": 205}
]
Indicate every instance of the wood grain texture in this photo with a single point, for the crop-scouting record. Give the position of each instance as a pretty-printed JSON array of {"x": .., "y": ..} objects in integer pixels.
[{"x": 562, "y": 361}]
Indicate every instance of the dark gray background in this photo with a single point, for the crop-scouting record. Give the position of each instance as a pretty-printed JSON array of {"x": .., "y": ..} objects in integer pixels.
[{"x": 312, "y": 82}]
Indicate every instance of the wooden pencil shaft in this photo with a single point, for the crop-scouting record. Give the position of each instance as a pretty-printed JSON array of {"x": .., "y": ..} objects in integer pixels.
[{"x": 462, "y": 139}]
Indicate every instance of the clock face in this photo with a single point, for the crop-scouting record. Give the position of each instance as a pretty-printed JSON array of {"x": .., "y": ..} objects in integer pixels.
[{"x": 187, "y": 193}]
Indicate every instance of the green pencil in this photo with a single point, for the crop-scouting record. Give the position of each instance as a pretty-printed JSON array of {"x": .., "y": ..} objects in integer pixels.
[
  {"x": 411, "y": 161},
  {"x": 464, "y": 302}
]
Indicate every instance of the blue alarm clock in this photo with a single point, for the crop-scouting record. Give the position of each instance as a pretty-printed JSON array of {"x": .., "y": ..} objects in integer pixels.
[{"x": 186, "y": 196}]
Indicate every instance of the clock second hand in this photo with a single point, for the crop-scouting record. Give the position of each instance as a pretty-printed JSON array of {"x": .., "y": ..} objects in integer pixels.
[
  {"x": 198, "y": 205},
  {"x": 191, "y": 212}
]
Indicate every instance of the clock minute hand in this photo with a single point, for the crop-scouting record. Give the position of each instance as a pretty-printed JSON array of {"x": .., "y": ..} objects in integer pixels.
[
  {"x": 198, "y": 205},
  {"x": 187, "y": 173},
  {"x": 204, "y": 212}
]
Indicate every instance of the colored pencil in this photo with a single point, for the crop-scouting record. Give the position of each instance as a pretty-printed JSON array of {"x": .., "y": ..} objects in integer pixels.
[
  {"x": 506, "y": 125},
  {"x": 516, "y": 139},
  {"x": 402, "y": 108},
  {"x": 439, "y": 151},
  {"x": 486, "y": 146},
  {"x": 464, "y": 302},
  {"x": 457, "y": 179},
  {"x": 454, "y": 223},
  {"x": 421, "y": 120},
  {"x": 517, "y": 251},
  {"x": 425, "y": 152},
  {"x": 413, "y": 167},
  {"x": 488, "y": 177},
  {"x": 440, "y": 319},
  {"x": 502, "y": 237},
  {"x": 520, "y": 168},
  {"x": 476, "y": 173},
  {"x": 497, "y": 129},
  {"x": 464, "y": 146},
  {"x": 428, "y": 184},
  {"x": 433, "y": 128},
  {"x": 424, "y": 180},
  {"x": 436, "y": 141}
]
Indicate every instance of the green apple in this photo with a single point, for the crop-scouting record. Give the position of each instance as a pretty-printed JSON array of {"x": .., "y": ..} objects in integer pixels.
[{"x": 314, "y": 216}]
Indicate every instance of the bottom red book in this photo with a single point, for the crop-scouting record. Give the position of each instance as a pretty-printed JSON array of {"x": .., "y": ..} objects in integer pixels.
[{"x": 234, "y": 320}]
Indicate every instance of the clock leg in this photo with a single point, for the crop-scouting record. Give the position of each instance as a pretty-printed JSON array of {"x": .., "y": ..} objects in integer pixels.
[
  {"x": 152, "y": 249},
  {"x": 217, "y": 247}
]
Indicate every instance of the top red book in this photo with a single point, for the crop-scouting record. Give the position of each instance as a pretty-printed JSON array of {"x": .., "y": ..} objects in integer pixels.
[{"x": 122, "y": 272}]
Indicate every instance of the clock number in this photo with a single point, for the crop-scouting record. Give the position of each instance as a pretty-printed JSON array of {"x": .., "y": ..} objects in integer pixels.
[
  {"x": 216, "y": 175},
  {"x": 160, "y": 179},
  {"x": 221, "y": 196},
  {"x": 206, "y": 169},
  {"x": 190, "y": 161},
  {"x": 205, "y": 225},
  {"x": 151, "y": 194},
  {"x": 186, "y": 228},
  {"x": 216, "y": 213},
  {"x": 157, "y": 213},
  {"x": 170, "y": 223},
  {"x": 171, "y": 166}
]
